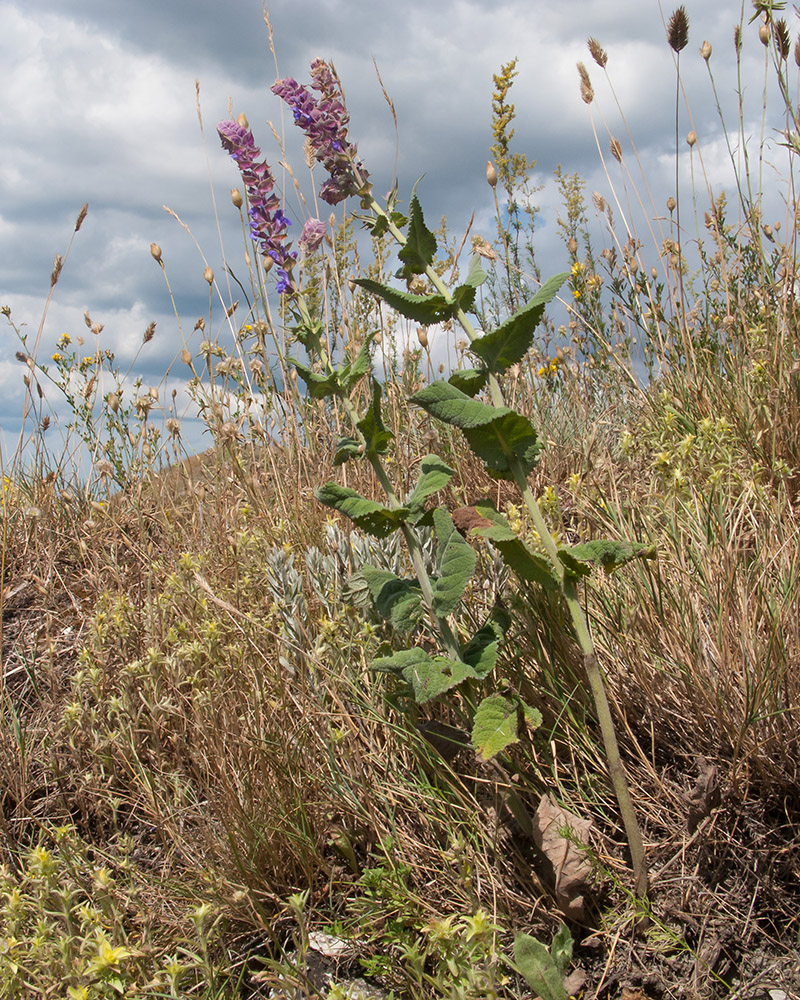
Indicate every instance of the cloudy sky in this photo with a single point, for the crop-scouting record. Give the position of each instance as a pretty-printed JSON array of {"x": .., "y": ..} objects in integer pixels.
[{"x": 98, "y": 105}]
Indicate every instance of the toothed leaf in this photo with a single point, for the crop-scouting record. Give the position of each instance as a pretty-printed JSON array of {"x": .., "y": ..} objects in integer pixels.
[
  {"x": 456, "y": 562},
  {"x": 369, "y": 516}
]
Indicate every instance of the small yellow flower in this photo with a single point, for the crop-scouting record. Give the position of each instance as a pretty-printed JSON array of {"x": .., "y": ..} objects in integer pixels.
[
  {"x": 64, "y": 339},
  {"x": 576, "y": 293},
  {"x": 56, "y": 357},
  {"x": 577, "y": 267}
]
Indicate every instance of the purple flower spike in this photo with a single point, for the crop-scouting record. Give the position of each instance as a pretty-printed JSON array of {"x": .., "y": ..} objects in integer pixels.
[
  {"x": 312, "y": 235},
  {"x": 325, "y": 122},
  {"x": 268, "y": 224}
]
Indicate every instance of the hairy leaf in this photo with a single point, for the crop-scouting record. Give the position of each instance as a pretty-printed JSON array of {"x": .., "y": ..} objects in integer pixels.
[
  {"x": 505, "y": 442},
  {"x": 394, "y": 598},
  {"x": 464, "y": 297},
  {"x": 485, "y": 521},
  {"x": 469, "y": 380},
  {"x": 510, "y": 342},
  {"x": 376, "y": 436},
  {"x": 420, "y": 247},
  {"x": 434, "y": 476},
  {"x": 429, "y": 676},
  {"x": 537, "y": 965},
  {"x": 611, "y": 554},
  {"x": 368, "y": 515},
  {"x": 481, "y": 651},
  {"x": 361, "y": 366},
  {"x": 495, "y": 726},
  {"x": 452, "y": 406},
  {"x": 456, "y": 560},
  {"x": 347, "y": 448},
  {"x": 319, "y": 386},
  {"x": 424, "y": 309},
  {"x": 477, "y": 275}
]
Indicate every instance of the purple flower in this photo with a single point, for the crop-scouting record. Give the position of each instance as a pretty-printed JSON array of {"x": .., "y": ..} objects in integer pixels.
[
  {"x": 268, "y": 224},
  {"x": 312, "y": 235},
  {"x": 324, "y": 120}
]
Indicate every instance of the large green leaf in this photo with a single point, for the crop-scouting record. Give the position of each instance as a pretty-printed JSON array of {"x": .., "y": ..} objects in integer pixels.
[
  {"x": 497, "y": 435},
  {"x": 319, "y": 386},
  {"x": 504, "y": 443},
  {"x": 369, "y": 516},
  {"x": 347, "y": 448},
  {"x": 456, "y": 563},
  {"x": 464, "y": 297},
  {"x": 469, "y": 380},
  {"x": 537, "y": 965},
  {"x": 434, "y": 476},
  {"x": 452, "y": 406},
  {"x": 477, "y": 275},
  {"x": 510, "y": 342},
  {"x": 481, "y": 651},
  {"x": 398, "y": 600},
  {"x": 420, "y": 246},
  {"x": 496, "y": 724},
  {"x": 376, "y": 436},
  {"x": 609, "y": 554},
  {"x": 424, "y": 309},
  {"x": 487, "y": 522},
  {"x": 429, "y": 676}
]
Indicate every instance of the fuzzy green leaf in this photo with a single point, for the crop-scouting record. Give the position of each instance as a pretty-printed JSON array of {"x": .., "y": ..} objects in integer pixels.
[
  {"x": 361, "y": 366},
  {"x": 537, "y": 965},
  {"x": 510, "y": 342},
  {"x": 470, "y": 381},
  {"x": 434, "y": 476},
  {"x": 420, "y": 247},
  {"x": 608, "y": 554},
  {"x": 561, "y": 948},
  {"x": 528, "y": 566},
  {"x": 464, "y": 297},
  {"x": 398, "y": 600},
  {"x": 477, "y": 275},
  {"x": 481, "y": 651},
  {"x": 424, "y": 309},
  {"x": 497, "y": 435},
  {"x": 496, "y": 725},
  {"x": 450, "y": 405},
  {"x": 505, "y": 442},
  {"x": 429, "y": 676},
  {"x": 376, "y": 436},
  {"x": 347, "y": 448},
  {"x": 319, "y": 386},
  {"x": 456, "y": 560},
  {"x": 369, "y": 516}
]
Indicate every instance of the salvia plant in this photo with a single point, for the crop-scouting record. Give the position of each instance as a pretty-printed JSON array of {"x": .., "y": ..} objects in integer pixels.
[{"x": 434, "y": 659}]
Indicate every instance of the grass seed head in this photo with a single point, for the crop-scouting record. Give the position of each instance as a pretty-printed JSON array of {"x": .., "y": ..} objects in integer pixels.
[
  {"x": 597, "y": 52},
  {"x": 616, "y": 149},
  {"x": 678, "y": 30},
  {"x": 587, "y": 92}
]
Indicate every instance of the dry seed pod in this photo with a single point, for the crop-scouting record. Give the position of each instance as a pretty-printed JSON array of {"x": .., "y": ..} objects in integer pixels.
[
  {"x": 491, "y": 174},
  {"x": 764, "y": 34},
  {"x": 422, "y": 337},
  {"x": 236, "y": 197},
  {"x": 155, "y": 250},
  {"x": 691, "y": 138},
  {"x": 208, "y": 274},
  {"x": 186, "y": 357},
  {"x": 242, "y": 120},
  {"x": 671, "y": 204},
  {"x": 705, "y": 50}
]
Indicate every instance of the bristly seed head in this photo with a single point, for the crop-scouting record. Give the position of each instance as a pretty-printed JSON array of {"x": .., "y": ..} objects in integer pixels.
[
  {"x": 616, "y": 149},
  {"x": 783, "y": 41},
  {"x": 81, "y": 216},
  {"x": 797, "y": 52},
  {"x": 597, "y": 52},
  {"x": 587, "y": 92},
  {"x": 149, "y": 333},
  {"x": 705, "y": 50},
  {"x": 678, "y": 30},
  {"x": 737, "y": 38},
  {"x": 58, "y": 263}
]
